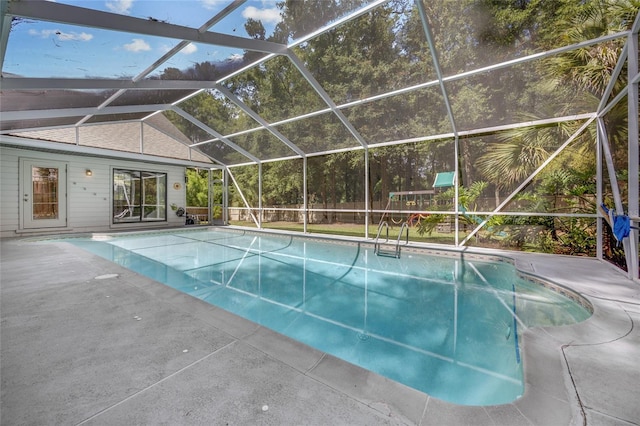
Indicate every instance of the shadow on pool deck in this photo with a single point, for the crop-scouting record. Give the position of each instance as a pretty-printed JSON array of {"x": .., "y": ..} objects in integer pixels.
[{"x": 86, "y": 341}]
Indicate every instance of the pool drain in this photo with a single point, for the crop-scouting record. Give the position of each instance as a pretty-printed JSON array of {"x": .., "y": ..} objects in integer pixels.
[{"x": 363, "y": 336}]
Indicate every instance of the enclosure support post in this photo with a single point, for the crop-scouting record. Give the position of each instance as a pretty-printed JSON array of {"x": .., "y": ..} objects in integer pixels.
[
  {"x": 599, "y": 150},
  {"x": 209, "y": 197},
  {"x": 615, "y": 189},
  {"x": 366, "y": 193},
  {"x": 225, "y": 197},
  {"x": 305, "y": 212},
  {"x": 634, "y": 151},
  {"x": 599, "y": 200},
  {"x": 259, "y": 195},
  {"x": 456, "y": 189},
  {"x": 443, "y": 89}
]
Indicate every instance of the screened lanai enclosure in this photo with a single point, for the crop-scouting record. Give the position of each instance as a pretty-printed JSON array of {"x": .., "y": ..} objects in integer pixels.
[{"x": 509, "y": 124}]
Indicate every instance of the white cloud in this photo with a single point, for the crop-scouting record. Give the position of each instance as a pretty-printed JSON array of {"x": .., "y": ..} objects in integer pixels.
[
  {"x": 212, "y": 4},
  {"x": 266, "y": 15},
  {"x": 189, "y": 49},
  {"x": 72, "y": 36},
  {"x": 120, "y": 6},
  {"x": 137, "y": 45},
  {"x": 236, "y": 57}
]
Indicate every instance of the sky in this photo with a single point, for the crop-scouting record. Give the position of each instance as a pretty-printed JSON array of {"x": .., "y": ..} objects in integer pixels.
[{"x": 49, "y": 49}]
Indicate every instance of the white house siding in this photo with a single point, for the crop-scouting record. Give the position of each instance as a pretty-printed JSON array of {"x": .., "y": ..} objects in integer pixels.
[
  {"x": 9, "y": 195},
  {"x": 88, "y": 197}
]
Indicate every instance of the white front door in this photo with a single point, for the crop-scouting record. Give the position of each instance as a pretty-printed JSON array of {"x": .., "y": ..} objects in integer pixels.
[{"x": 43, "y": 194}]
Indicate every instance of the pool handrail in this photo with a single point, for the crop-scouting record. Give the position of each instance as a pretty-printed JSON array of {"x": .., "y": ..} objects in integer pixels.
[
  {"x": 402, "y": 228},
  {"x": 376, "y": 247},
  {"x": 396, "y": 252}
]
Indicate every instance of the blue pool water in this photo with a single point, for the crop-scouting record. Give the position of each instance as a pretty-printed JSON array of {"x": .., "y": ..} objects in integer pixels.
[{"x": 440, "y": 324}]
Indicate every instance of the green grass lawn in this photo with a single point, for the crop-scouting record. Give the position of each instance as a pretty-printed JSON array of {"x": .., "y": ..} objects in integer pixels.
[
  {"x": 482, "y": 239},
  {"x": 352, "y": 230}
]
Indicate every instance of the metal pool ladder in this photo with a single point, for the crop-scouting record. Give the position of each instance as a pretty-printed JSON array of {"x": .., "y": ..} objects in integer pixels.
[{"x": 387, "y": 248}]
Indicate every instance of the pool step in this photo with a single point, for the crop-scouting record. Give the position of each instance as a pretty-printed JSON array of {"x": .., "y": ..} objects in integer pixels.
[{"x": 388, "y": 250}]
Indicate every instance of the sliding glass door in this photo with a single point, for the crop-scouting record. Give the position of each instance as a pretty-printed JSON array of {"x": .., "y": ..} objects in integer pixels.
[{"x": 139, "y": 196}]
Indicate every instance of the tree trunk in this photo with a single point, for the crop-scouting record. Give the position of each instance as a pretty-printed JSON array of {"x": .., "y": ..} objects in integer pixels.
[
  {"x": 466, "y": 164},
  {"x": 333, "y": 194}
]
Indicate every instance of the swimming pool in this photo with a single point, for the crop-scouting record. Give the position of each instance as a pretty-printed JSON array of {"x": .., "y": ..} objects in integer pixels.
[{"x": 447, "y": 325}]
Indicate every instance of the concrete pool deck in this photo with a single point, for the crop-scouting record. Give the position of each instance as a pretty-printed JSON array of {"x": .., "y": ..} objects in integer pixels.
[{"x": 85, "y": 341}]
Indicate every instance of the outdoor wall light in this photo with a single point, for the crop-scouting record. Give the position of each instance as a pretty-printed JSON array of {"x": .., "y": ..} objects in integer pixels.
[{"x": 88, "y": 172}]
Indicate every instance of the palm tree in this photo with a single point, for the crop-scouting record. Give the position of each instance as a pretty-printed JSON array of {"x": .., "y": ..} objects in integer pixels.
[
  {"x": 588, "y": 70},
  {"x": 574, "y": 81},
  {"x": 515, "y": 155}
]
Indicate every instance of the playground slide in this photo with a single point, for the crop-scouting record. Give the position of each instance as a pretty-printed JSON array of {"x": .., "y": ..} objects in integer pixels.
[{"x": 478, "y": 220}]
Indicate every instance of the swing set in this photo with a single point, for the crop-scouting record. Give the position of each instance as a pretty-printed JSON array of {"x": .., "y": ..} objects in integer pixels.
[
  {"x": 410, "y": 206},
  {"x": 408, "y": 201}
]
